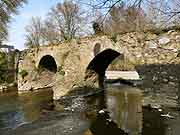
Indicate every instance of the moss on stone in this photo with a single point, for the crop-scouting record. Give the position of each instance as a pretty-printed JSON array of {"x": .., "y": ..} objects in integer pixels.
[{"x": 23, "y": 73}]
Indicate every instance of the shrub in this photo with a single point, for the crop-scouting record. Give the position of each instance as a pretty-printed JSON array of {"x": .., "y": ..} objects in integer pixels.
[
  {"x": 60, "y": 70},
  {"x": 23, "y": 73}
]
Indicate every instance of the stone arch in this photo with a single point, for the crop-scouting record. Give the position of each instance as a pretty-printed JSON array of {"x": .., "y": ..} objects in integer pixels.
[
  {"x": 48, "y": 62},
  {"x": 95, "y": 71}
]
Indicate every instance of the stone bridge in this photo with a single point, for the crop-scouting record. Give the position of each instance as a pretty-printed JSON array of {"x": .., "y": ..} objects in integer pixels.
[{"x": 84, "y": 61}]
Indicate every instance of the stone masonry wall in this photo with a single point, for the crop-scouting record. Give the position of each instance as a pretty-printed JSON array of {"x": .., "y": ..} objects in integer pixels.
[{"x": 143, "y": 50}]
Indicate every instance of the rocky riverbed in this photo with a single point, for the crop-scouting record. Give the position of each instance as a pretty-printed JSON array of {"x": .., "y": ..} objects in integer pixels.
[{"x": 119, "y": 110}]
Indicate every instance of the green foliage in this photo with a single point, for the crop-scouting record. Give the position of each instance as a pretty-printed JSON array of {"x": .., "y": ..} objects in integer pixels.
[
  {"x": 60, "y": 70},
  {"x": 23, "y": 73},
  {"x": 114, "y": 38},
  {"x": 6, "y": 66},
  {"x": 6, "y": 9},
  {"x": 3, "y": 67},
  {"x": 3, "y": 60}
]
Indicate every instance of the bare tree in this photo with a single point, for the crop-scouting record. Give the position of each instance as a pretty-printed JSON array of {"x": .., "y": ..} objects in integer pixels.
[
  {"x": 176, "y": 6},
  {"x": 67, "y": 18},
  {"x": 50, "y": 33},
  {"x": 7, "y": 7},
  {"x": 64, "y": 22},
  {"x": 34, "y": 33},
  {"x": 167, "y": 12},
  {"x": 40, "y": 32},
  {"x": 123, "y": 18}
]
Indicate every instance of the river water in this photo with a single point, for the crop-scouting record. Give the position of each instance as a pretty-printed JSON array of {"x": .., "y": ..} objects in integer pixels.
[
  {"x": 16, "y": 110},
  {"x": 118, "y": 110}
]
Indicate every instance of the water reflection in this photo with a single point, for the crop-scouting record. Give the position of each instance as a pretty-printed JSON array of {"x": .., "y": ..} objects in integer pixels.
[
  {"x": 16, "y": 110},
  {"x": 122, "y": 106},
  {"x": 125, "y": 107},
  {"x": 32, "y": 104},
  {"x": 8, "y": 110}
]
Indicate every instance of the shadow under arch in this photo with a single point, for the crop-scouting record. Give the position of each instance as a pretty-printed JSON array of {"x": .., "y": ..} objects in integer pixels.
[
  {"x": 48, "y": 62},
  {"x": 95, "y": 71}
]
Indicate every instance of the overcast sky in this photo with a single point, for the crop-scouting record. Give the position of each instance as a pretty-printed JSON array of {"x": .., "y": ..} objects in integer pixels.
[{"x": 17, "y": 26}]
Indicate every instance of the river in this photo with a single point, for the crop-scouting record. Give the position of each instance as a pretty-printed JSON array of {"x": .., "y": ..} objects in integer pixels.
[{"x": 117, "y": 110}]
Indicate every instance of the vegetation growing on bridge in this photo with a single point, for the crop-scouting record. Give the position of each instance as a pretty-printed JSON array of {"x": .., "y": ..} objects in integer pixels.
[{"x": 23, "y": 73}]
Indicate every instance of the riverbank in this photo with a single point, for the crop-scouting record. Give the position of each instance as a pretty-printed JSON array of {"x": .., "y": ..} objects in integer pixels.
[{"x": 8, "y": 87}]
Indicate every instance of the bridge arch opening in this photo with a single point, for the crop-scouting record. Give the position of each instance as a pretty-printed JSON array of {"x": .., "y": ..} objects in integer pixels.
[
  {"x": 47, "y": 62},
  {"x": 95, "y": 71}
]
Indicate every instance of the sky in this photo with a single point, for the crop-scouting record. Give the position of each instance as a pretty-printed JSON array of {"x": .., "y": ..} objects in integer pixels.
[{"x": 20, "y": 21}]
